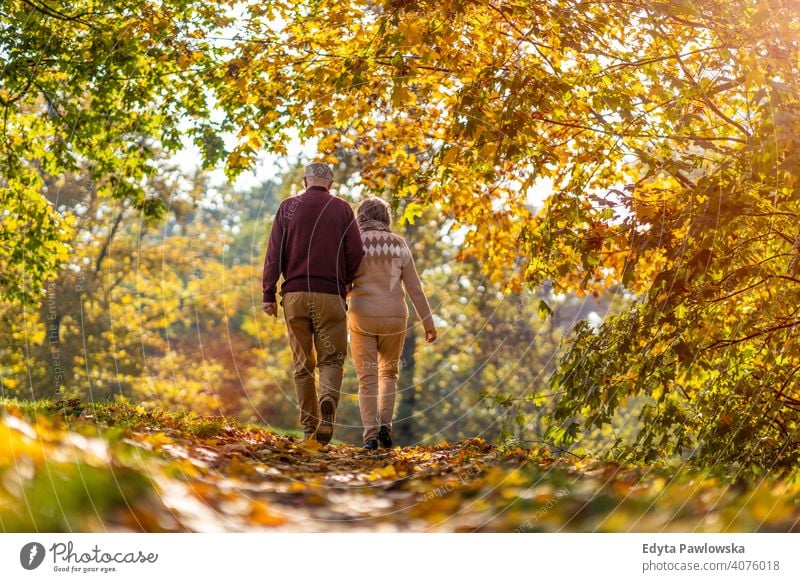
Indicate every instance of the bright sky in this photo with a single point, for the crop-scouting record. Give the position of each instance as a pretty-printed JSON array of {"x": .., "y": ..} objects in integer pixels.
[
  {"x": 267, "y": 166},
  {"x": 270, "y": 165}
]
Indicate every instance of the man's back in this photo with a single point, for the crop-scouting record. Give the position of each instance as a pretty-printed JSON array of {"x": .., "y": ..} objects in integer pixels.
[{"x": 315, "y": 244}]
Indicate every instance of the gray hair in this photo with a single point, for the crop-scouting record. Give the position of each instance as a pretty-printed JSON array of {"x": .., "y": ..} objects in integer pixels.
[
  {"x": 318, "y": 170},
  {"x": 374, "y": 209}
]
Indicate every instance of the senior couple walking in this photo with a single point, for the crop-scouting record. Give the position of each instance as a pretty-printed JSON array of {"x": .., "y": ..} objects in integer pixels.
[{"x": 338, "y": 268}]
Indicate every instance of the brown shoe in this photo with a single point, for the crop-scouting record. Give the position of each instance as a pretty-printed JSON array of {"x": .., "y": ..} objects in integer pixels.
[{"x": 327, "y": 413}]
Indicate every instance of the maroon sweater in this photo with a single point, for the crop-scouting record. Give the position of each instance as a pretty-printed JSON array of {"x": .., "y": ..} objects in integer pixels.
[{"x": 315, "y": 244}]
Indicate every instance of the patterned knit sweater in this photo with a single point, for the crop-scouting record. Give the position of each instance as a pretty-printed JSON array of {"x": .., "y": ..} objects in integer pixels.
[{"x": 377, "y": 291}]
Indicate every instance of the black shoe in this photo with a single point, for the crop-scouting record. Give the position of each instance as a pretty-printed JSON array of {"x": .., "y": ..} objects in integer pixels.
[
  {"x": 385, "y": 437},
  {"x": 372, "y": 445},
  {"x": 327, "y": 412}
]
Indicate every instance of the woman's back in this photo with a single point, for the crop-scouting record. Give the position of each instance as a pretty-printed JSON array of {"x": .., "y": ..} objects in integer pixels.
[{"x": 387, "y": 267}]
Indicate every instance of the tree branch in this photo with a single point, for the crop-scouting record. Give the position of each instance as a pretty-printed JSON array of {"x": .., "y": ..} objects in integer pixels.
[
  {"x": 51, "y": 12},
  {"x": 730, "y": 342},
  {"x": 107, "y": 242}
]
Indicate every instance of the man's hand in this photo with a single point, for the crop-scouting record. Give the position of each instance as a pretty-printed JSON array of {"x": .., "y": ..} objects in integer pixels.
[
  {"x": 270, "y": 308},
  {"x": 430, "y": 336}
]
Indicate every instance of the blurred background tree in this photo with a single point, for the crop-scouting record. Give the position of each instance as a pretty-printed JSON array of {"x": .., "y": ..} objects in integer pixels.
[{"x": 166, "y": 312}]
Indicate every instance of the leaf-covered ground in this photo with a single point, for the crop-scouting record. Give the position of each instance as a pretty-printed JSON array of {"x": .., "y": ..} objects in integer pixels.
[{"x": 78, "y": 467}]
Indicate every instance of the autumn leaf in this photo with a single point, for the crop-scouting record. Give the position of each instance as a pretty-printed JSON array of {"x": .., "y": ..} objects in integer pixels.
[
  {"x": 411, "y": 212},
  {"x": 468, "y": 485}
]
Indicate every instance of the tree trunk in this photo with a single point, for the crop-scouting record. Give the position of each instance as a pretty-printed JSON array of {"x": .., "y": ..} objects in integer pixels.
[{"x": 404, "y": 430}]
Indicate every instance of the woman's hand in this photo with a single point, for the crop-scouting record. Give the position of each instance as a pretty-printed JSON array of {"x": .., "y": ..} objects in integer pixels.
[{"x": 430, "y": 336}]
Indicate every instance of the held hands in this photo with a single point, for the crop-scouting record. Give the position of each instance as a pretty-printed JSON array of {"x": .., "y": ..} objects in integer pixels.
[
  {"x": 430, "y": 336},
  {"x": 270, "y": 308}
]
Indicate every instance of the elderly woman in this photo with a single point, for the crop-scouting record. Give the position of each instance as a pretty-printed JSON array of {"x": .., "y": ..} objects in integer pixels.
[{"x": 379, "y": 318}]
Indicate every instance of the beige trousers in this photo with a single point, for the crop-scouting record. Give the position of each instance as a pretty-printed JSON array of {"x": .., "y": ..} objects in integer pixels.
[
  {"x": 317, "y": 328},
  {"x": 376, "y": 344}
]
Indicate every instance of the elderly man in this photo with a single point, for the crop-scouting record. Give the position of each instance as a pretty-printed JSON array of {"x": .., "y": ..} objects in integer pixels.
[{"x": 315, "y": 244}]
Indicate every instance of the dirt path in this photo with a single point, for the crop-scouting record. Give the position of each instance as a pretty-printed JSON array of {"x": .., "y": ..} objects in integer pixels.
[{"x": 78, "y": 467}]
